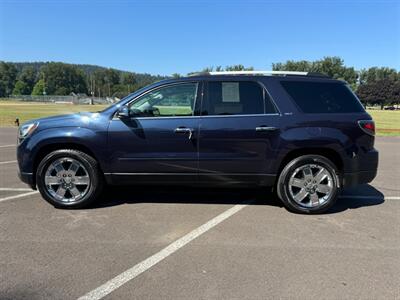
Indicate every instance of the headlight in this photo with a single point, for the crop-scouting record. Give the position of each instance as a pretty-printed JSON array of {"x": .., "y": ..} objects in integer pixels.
[{"x": 26, "y": 130}]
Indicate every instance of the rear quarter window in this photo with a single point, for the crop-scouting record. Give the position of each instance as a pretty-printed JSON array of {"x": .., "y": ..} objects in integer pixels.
[{"x": 322, "y": 97}]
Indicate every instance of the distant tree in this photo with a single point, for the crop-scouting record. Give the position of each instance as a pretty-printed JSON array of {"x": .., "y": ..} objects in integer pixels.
[
  {"x": 382, "y": 92},
  {"x": 227, "y": 68},
  {"x": 238, "y": 68},
  {"x": 331, "y": 66},
  {"x": 105, "y": 80},
  {"x": 376, "y": 74},
  {"x": 176, "y": 75},
  {"x": 62, "y": 91},
  {"x": 21, "y": 88},
  {"x": 28, "y": 77},
  {"x": 128, "y": 79},
  {"x": 39, "y": 88},
  {"x": 63, "y": 79},
  {"x": 8, "y": 74},
  {"x": 291, "y": 65}
]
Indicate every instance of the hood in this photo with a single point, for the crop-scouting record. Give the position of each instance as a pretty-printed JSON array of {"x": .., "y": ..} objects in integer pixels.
[{"x": 82, "y": 119}]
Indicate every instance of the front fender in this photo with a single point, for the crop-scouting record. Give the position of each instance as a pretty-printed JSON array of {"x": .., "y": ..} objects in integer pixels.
[{"x": 95, "y": 141}]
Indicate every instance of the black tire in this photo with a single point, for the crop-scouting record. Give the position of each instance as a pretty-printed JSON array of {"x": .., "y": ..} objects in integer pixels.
[
  {"x": 284, "y": 177},
  {"x": 96, "y": 179}
]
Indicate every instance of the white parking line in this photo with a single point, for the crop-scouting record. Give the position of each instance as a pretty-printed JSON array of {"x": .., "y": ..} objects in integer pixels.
[
  {"x": 4, "y": 146},
  {"x": 369, "y": 197},
  {"x": 7, "y": 162},
  {"x": 15, "y": 189},
  {"x": 143, "y": 266},
  {"x": 18, "y": 196},
  {"x": 392, "y": 198}
]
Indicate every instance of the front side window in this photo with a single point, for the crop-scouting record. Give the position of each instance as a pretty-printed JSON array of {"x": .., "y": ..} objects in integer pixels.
[
  {"x": 235, "y": 98},
  {"x": 169, "y": 101}
]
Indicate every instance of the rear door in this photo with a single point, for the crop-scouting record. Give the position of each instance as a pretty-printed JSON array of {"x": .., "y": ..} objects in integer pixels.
[{"x": 239, "y": 130}]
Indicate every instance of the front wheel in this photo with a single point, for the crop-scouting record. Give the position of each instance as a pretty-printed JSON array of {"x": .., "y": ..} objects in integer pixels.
[
  {"x": 309, "y": 184},
  {"x": 69, "y": 179}
]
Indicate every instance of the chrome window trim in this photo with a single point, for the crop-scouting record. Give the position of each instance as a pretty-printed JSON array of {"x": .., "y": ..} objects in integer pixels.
[
  {"x": 184, "y": 174},
  {"x": 214, "y": 116},
  {"x": 198, "y": 82}
]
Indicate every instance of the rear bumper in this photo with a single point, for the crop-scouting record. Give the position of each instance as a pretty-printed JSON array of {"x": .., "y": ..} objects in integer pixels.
[
  {"x": 28, "y": 179},
  {"x": 361, "y": 177},
  {"x": 363, "y": 169}
]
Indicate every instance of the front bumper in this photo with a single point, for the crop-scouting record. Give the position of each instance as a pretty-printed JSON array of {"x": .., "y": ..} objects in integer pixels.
[{"x": 28, "y": 179}]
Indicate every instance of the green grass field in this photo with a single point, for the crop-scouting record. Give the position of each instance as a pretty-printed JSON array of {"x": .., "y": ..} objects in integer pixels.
[
  {"x": 9, "y": 110},
  {"x": 387, "y": 122}
]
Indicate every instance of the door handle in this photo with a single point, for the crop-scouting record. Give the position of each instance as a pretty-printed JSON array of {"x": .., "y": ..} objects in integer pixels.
[
  {"x": 184, "y": 130},
  {"x": 265, "y": 128}
]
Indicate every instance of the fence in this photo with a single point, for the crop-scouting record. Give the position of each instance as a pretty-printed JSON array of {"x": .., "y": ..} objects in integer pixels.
[{"x": 64, "y": 99}]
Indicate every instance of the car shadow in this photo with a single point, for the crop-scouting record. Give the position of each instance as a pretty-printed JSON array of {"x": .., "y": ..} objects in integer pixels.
[
  {"x": 356, "y": 197},
  {"x": 361, "y": 196}
]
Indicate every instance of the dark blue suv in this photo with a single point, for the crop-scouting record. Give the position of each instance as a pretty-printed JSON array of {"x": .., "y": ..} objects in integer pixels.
[{"x": 305, "y": 135}]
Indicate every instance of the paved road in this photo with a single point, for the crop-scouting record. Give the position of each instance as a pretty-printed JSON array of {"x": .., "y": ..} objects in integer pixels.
[{"x": 255, "y": 251}]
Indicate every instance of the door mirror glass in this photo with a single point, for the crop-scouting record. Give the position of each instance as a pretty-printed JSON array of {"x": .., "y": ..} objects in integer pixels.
[{"x": 123, "y": 112}]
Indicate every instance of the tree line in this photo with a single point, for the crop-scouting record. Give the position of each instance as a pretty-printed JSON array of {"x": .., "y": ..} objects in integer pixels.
[
  {"x": 374, "y": 86},
  {"x": 55, "y": 78}
]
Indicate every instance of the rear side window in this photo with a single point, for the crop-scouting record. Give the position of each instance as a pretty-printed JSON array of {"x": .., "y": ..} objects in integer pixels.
[
  {"x": 236, "y": 98},
  {"x": 322, "y": 97}
]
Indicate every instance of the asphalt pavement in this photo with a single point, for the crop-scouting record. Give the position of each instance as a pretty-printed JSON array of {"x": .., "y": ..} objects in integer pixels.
[{"x": 169, "y": 243}]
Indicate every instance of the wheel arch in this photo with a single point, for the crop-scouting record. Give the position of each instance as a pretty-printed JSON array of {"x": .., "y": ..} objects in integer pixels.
[
  {"x": 48, "y": 148},
  {"x": 328, "y": 153}
]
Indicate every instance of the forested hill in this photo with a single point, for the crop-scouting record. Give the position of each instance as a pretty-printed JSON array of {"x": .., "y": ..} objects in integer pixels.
[
  {"x": 57, "y": 78},
  {"x": 89, "y": 70}
]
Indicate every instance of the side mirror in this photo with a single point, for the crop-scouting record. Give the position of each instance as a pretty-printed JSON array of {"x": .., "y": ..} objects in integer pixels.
[{"x": 123, "y": 112}]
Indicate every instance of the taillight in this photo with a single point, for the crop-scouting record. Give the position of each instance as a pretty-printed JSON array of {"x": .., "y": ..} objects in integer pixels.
[{"x": 368, "y": 126}]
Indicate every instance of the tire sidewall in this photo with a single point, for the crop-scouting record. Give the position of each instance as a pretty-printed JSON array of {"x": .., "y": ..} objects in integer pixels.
[
  {"x": 79, "y": 156},
  {"x": 283, "y": 183}
]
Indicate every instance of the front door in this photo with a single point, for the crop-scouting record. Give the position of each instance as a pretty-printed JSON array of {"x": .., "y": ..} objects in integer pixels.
[{"x": 160, "y": 137}]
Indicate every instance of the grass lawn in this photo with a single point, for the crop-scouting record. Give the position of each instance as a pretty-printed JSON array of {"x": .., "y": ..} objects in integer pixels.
[
  {"x": 387, "y": 122},
  {"x": 9, "y": 110}
]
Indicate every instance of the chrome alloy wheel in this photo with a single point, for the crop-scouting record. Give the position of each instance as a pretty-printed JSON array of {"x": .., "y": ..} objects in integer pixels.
[
  {"x": 311, "y": 185},
  {"x": 67, "y": 180}
]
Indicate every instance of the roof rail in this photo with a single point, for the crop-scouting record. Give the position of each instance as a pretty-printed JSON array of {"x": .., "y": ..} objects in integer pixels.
[{"x": 268, "y": 73}]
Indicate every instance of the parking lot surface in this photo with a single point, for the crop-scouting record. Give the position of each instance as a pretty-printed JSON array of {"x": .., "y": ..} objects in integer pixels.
[{"x": 171, "y": 243}]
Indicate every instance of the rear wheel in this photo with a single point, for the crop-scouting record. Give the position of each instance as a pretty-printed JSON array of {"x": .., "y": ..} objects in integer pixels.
[
  {"x": 309, "y": 184},
  {"x": 69, "y": 179}
]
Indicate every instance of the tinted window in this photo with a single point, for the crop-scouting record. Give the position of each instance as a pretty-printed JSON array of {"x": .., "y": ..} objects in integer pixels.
[
  {"x": 174, "y": 100},
  {"x": 235, "y": 98},
  {"x": 322, "y": 97}
]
